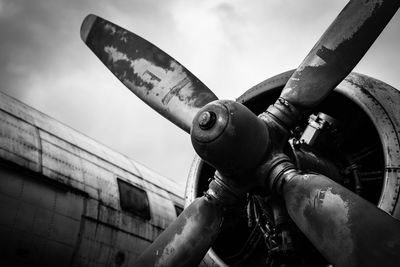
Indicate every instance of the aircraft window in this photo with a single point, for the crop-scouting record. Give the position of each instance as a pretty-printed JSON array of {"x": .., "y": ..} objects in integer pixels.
[
  {"x": 178, "y": 210},
  {"x": 133, "y": 199}
]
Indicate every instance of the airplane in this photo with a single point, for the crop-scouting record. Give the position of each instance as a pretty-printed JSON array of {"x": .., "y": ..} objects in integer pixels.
[
  {"x": 258, "y": 194},
  {"x": 67, "y": 200}
]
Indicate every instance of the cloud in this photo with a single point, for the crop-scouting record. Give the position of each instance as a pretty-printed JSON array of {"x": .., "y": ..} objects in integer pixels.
[{"x": 229, "y": 45}]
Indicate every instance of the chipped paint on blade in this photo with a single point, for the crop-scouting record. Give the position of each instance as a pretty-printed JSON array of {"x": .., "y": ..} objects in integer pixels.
[
  {"x": 341, "y": 224},
  {"x": 338, "y": 51},
  {"x": 187, "y": 239},
  {"x": 324, "y": 215},
  {"x": 178, "y": 241},
  {"x": 352, "y": 24},
  {"x": 151, "y": 74},
  {"x": 322, "y": 203}
]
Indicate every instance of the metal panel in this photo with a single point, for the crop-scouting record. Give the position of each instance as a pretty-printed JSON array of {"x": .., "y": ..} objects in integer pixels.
[
  {"x": 19, "y": 142},
  {"x": 160, "y": 181},
  {"x": 121, "y": 221},
  {"x": 61, "y": 162},
  {"x": 161, "y": 205},
  {"x": 40, "y": 222},
  {"x": 101, "y": 178},
  {"x": 103, "y": 245},
  {"x": 162, "y": 211}
]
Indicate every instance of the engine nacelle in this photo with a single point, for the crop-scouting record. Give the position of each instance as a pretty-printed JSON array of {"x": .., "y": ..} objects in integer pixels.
[{"x": 368, "y": 141}]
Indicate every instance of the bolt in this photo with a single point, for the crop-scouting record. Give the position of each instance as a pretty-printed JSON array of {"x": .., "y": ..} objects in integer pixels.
[{"x": 207, "y": 120}]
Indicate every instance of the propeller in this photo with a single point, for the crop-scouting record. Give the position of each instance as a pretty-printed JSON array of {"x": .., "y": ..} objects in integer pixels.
[
  {"x": 247, "y": 151},
  {"x": 150, "y": 73},
  {"x": 187, "y": 240}
]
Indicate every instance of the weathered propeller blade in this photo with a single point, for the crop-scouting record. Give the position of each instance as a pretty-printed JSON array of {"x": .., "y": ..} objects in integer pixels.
[
  {"x": 150, "y": 73},
  {"x": 346, "y": 229},
  {"x": 338, "y": 51},
  {"x": 188, "y": 238}
]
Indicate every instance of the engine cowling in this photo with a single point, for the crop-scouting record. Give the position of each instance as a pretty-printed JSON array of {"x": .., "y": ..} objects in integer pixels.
[{"x": 366, "y": 157}]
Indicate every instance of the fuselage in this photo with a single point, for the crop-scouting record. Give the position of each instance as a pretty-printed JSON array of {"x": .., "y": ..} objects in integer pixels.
[{"x": 67, "y": 200}]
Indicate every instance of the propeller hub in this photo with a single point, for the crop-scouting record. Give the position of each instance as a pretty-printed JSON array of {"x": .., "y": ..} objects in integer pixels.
[{"x": 229, "y": 137}]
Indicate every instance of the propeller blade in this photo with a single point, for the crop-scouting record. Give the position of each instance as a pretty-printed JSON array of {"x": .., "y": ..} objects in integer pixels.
[
  {"x": 345, "y": 228},
  {"x": 187, "y": 239},
  {"x": 150, "y": 73},
  {"x": 338, "y": 51}
]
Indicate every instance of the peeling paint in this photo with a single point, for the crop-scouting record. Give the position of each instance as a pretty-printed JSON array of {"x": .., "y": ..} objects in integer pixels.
[
  {"x": 318, "y": 213},
  {"x": 322, "y": 210},
  {"x": 185, "y": 241},
  {"x": 314, "y": 62},
  {"x": 151, "y": 74},
  {"x": 338, "y": 51},
  {"x": 179, "y": 240},
  {"x": 111, "y": 28},
  {"x": 114, "y": 54},
  {"x": 352, "y": 24}
]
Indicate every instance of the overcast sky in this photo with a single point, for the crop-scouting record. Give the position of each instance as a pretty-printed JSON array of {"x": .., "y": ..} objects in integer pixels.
[{"x": 230, "y": 45}]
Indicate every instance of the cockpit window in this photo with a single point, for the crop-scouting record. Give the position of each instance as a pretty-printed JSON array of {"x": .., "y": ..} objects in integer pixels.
[{"x": 133, "y": 199}]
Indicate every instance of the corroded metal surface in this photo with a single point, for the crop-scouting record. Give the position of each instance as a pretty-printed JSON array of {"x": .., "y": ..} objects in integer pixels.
[
  {"x": 187, "y": 240},
  {"x": 39, "y": 222},
  {"x": 338, "y": 51},
  {"x": 96, "y": 231},
  {"x": 381, "y": 103},
  {"x": 19, "y": 142},
  {"x": 151, "y": 74},
  {"x": 345, "y": 228}
]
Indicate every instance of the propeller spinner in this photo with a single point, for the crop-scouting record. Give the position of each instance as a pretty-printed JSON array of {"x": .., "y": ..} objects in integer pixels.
[{"x": 247, "y": 151}]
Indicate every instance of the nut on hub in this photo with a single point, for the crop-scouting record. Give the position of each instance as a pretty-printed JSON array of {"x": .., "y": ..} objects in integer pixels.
[{"x": 207, "y": 120}]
